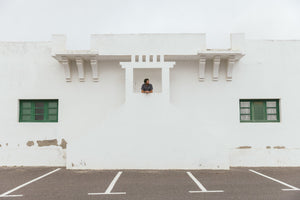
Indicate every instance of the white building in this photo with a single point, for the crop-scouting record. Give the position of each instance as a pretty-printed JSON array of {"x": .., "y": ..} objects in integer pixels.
[{"x": 211, "y": 108}]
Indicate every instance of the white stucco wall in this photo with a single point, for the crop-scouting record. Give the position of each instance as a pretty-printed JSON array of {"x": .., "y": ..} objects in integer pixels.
[
  {"x": 200, "y": 128},
  {"x": 127, "y": 44}
]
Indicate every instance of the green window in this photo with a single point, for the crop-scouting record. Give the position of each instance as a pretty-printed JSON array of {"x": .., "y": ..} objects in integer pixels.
[
  {"x": 38, "y": 111},
  {"x": 259, "y": 110}
]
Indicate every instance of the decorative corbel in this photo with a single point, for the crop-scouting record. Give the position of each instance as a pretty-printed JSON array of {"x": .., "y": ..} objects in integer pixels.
[
  {"x": 154, "y": 58},
  {"x": 216, "y": 66},
  {"x": 140, "y": 58},
  {"x": 230, "y": 64},
  {"x": 201, "y": 73},
  {"x": 65, "y": 62},
  {"x": 79, "y": 63},
  {"x": 162, "y": 58},
  {"x": 132, "y": 58},
  {"x": 147, "y": 59},
  {"x": 94, "y": 65}
]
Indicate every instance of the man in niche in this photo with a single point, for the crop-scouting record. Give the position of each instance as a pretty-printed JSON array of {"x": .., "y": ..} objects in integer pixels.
[{"x": 147, "y": 87}]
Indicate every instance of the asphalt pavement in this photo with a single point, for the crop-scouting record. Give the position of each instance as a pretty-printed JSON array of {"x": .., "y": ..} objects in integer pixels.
[{"x": 49, "y": 183}]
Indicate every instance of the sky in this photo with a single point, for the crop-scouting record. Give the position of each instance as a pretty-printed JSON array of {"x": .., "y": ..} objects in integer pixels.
[{"x": 37, "y": 20}]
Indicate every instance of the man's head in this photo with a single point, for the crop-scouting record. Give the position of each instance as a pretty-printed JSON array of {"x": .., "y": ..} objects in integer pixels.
[{"x": 146, "y": 81}]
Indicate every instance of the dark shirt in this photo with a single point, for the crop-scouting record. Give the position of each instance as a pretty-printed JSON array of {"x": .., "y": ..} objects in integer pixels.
[{"x": 147, "y": 87}]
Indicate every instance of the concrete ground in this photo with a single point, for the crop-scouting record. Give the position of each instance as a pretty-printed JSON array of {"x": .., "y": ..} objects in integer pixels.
[{"x": 237, "y": 183}]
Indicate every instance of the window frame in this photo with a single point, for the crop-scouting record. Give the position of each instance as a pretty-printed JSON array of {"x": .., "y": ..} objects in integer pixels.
[
  {"x": 33, "y": 113},
  {"x": 265, "y": 111}
]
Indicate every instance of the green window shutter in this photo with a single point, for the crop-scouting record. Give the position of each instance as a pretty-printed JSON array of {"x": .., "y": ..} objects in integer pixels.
[
  {"x": 259, "y": 110},
  {"x": 52, "y": 110},
  {"x": 245, "y": 110},
  {"x": 272, "y": 109},
  {"x": 38, "y": 111},
  {"x": 26, "y": 111}
]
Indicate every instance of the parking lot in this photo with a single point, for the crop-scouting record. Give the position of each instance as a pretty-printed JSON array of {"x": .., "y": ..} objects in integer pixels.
[{"x": 237, "y": 183}]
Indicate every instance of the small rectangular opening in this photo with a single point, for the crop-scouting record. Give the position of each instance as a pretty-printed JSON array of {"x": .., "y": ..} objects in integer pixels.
[
  {"x": 151, "y": 58},
  {"x": 158, "y": 58},
  {"x": 154, "y": 76}
]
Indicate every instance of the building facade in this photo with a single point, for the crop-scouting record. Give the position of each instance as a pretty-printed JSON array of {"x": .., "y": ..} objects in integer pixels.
[{"x": 211, "y": 108}]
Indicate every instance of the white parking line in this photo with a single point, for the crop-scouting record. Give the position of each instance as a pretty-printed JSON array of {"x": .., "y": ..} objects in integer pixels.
[
  {"x": 110, "y": 187},
  {"x": 17, "y": 195},
  {"x": 292, "y": 188},
  {"x": 201, "y": 187},
  {"x": 6, "y": 194}
]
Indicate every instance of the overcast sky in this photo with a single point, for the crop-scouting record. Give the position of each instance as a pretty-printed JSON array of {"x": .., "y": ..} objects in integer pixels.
[{"x": 36, "y": 20}]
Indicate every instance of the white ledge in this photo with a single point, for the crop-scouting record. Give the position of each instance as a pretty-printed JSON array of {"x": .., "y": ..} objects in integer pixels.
[
  {"x": 147, "y": 64},
  {"x": 223, "y": 54}
]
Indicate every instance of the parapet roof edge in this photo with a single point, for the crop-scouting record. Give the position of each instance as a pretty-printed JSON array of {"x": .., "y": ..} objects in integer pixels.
[
  {"x": 25, "y": 42},
  {"x": 270, "y": 40},
  {"x": 148, "y": 34}
]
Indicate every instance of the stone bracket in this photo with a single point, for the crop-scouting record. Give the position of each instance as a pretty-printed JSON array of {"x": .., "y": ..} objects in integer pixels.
[
  {"x": 230, "y": 64},
  {"x": 201, "y": 73},
  {"x": 80, "y": 67},
  {"x": 79, "y": 61},
  {"x": 67, "y": 69},
  {"x": 94, "y": 66},
  {"x": 216, "y": 66}
]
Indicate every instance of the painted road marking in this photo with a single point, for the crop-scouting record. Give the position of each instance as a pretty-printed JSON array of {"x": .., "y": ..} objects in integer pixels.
[
  {"x": 17, "y": 195},
  {"x": 292, "y": 188},
  {"x": 110, "y": 187},
  {"x": 6, "y": 194},
  {"x": 201, "y": 187}
]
